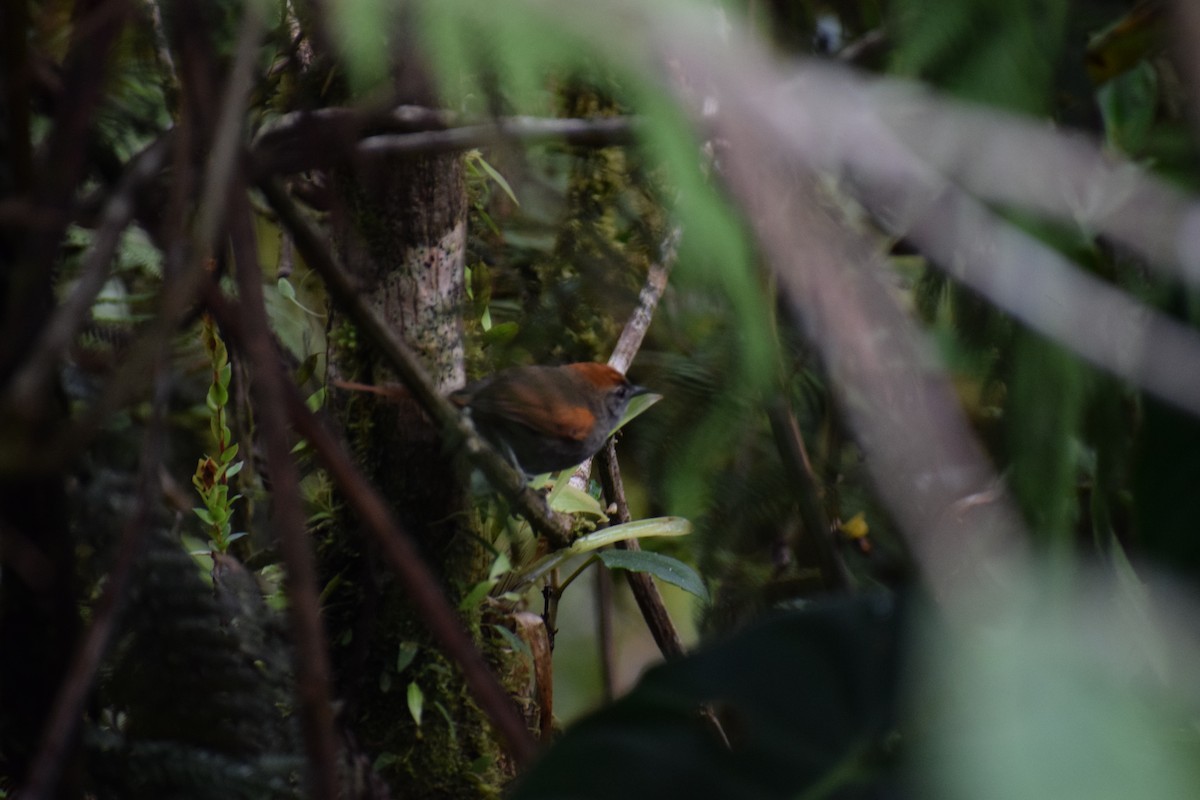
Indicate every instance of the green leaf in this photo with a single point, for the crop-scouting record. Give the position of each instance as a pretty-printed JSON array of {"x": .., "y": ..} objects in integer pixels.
[
  {"x": 501, "y": 565},
  {"x": 637, "y": 406},
  {"x": 225, "y": 375},
  {"x": 639, "y": 529},
  {"x": 234, "y": 469},
  {"x": 517, "y": 644},
  {"x": 288, "y": 292},
  {"x": 665, "y": 568},
  {"x": 474, "y": 597},
  {"x": 216, "y": 398},
  {"x": 571, "y": 500},
  {"x": 405, "y": 655},
  {"x": 501, "y": 334},
  {"x": 498, "y": 178},
  {"x": 416, "y": 702},
  {"x": 204, "y": 516},
  {"x": 316, "y": 400}
]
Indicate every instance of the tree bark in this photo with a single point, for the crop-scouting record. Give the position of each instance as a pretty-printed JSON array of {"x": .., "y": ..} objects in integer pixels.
[{"x": 400, "y": 225}]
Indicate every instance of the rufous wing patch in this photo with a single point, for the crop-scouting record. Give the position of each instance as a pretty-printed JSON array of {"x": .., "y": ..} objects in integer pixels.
[
  {"x": 573, "y": 422},
  {"x": 541, "y": 411}
]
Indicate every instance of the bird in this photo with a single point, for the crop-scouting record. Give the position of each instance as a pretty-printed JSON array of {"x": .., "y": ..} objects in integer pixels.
[{"x": 548, "y": 418}]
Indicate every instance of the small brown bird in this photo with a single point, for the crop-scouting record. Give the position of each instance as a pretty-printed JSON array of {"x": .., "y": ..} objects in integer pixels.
[{"x": 548, "y": 418}]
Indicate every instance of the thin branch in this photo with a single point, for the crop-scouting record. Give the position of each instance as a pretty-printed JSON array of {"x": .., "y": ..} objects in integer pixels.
[
  {"x": 401, "y": 552},
  {"x": 790, "y": 442},
  {"x": 634, "y": 332},
  {"x": 317, "y": 139},
  {"x": 600, "y": 132},
  {"x": 648, "y": 598},
  {"x": 29, "y": 384},
  {"x": 64, "y": 718},
  {"x": 311, "y": 245},
  {"x": 313, "y": 672},
  {"x": 652, "y": 291}
]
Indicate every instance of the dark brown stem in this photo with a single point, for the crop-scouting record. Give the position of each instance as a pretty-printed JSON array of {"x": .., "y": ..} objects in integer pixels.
[
  {"x": 312, "y": 658},
  {"x": 648, "y": 598},
  {"x": 654, "y": 611}
]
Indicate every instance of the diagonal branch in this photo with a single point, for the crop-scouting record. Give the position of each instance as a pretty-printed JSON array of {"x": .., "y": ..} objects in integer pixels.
[
  {"x": 29, "y": 384},
  {"x": 312, "y": 657},
  {"x": 319, "y": 138},
  {"x": 499, "y": 473}
]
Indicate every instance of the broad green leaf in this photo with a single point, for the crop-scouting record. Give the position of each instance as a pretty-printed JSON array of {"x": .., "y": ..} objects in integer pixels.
[
  {"x": 663, "y": 567},
  {"x": 640, "y": 529}
]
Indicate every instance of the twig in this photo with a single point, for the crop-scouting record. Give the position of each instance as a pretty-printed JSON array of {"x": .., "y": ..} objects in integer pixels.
[
  {"x": 64, "y": 718},
  {"x": 790, "y": 442},
  {"x": 649, "y": 600},
  {"x": 630, "y": 340},
  {"x": 316, "y": 139},
  {"x": 312, "y": 658},
  {"x": 399, "y": 550},
  {"x": 499, "y": 472},
  {"x": 634, "y": 332},
  {"x": 599, "y": 132}
]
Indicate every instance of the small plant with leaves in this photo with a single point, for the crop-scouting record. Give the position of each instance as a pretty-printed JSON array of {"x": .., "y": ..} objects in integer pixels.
[{"x": 214, "y": 471}]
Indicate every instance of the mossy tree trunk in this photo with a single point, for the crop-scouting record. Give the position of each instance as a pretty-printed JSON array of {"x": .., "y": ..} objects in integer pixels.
[{"x": 400, "y": 225}]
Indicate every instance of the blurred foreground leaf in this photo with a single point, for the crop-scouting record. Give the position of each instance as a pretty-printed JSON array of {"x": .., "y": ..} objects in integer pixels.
[{"x": 804, "y": 697}]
